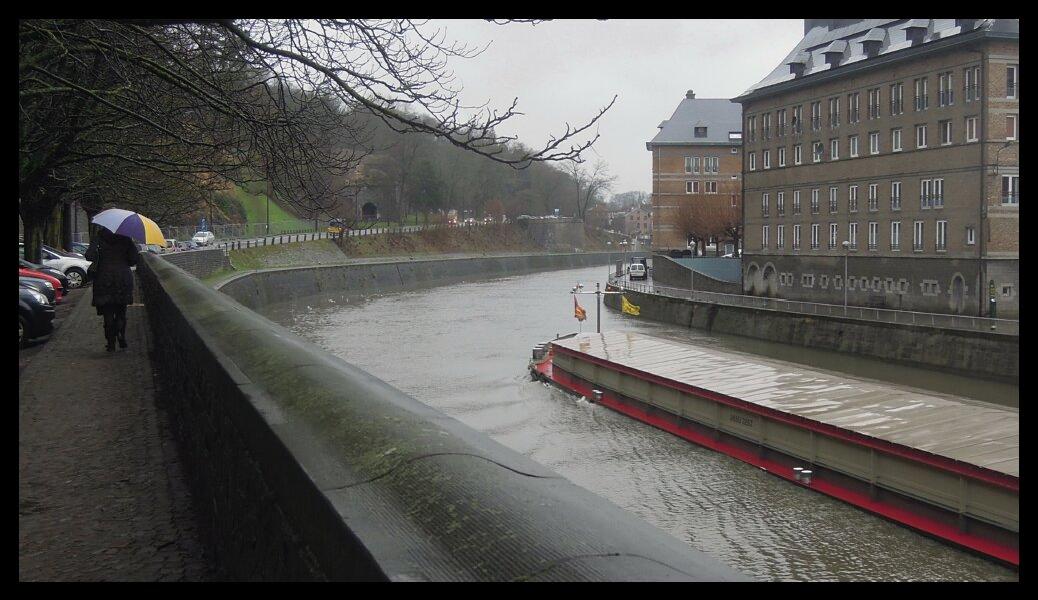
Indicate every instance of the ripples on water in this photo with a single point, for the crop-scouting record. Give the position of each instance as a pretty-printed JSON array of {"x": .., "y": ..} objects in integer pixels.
[{"x": 464, "y": 350}]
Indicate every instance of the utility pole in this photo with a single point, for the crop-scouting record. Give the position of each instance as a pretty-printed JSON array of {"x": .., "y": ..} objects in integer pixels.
[{"x": 846, "y": 250}]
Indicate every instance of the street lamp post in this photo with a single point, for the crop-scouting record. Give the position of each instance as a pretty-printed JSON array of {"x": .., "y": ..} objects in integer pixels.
[
  {"x": 578, "y": 289},
  {"x": 846, "y": 251}
]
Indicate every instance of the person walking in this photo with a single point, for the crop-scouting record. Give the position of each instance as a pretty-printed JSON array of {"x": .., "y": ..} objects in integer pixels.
[{"x": 113, "y": 255}]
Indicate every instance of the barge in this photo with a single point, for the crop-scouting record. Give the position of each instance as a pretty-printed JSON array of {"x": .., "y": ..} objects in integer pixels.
[{"x": 944, "y": 466}]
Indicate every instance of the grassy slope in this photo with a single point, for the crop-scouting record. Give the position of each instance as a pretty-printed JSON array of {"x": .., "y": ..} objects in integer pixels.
[{"x": 255, "y": 206}]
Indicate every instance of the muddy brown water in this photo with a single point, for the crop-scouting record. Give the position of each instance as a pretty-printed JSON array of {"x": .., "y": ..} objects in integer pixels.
[{"x": 464, "y": 350}]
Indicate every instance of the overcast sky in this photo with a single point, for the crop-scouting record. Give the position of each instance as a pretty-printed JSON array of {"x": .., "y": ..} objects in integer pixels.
[{"x": 565, "y": 71}]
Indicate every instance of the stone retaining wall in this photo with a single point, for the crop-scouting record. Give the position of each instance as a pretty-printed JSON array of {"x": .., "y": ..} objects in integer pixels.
[
  {"x": 200, "y": 263},
  {"x": 989, "y": 355}
]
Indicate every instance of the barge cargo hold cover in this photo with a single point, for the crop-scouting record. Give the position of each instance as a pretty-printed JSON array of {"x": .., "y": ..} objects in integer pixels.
[{"x": 943, "y": 465}]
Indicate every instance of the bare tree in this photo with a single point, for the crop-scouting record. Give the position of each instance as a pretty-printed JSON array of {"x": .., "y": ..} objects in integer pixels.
[
  {"x": 187, "y": 106},
  {"x": 591, "y": 183}
]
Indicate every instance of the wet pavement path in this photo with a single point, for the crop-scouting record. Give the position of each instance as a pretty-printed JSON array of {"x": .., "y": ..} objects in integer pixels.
[{"x": 101, "y": 496}]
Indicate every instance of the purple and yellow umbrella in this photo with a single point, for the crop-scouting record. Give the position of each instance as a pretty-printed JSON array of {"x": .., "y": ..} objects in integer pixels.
[{"x": 130, "y": 224}]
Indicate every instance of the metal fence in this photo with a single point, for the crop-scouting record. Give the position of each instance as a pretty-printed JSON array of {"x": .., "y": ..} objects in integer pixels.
[
  {"x": 878, "y": 315},
  {"x": 238, "y": 243}
]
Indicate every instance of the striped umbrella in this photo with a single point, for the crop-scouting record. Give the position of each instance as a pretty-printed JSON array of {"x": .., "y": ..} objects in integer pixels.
[{"x": 130, "y": 224}]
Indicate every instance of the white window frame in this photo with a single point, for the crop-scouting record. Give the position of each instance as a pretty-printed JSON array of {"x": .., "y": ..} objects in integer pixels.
[
  {"x": 971, "y": 236},
  {"x": 852, "y": 234},
  {"x": 798, "y": 154},
  {"x": 971, "y": 129},
  {"x": 917, "y": 236},
  {"x": 693, "y": 188},
  {"x": 938, "y": 193},
  {"x": 817, "y": 151},
  {"x": 920, "y": 136},
  {"x": 925, "y": 194},
  {"x": 782, "y": 156},
  {"x": 1014, "y": 187},
  {"x": 834, "y": 200},
  {"x": 941, "y": 237},
  {"x": 852, "y": 198},
  {"x": 1013, "y": 82},
  {"x": 780, "y": 236},
  {"x": 852, "y": 146},
  {"x": 764, "y": 237},
  {"x": 796, "y": 202},
  {"x": 814, "y": 236},
  {"x": 895, "y": 140},
  {"x": 895, "y": 235},
  {"x": 895, "y": 195},
  {"x": 711, "y": 187},
  {"x": 946, "y": 132},
  {"x": 688, "y": 164},
  {"x": 780, "y": 203},
  {"x": 765, "y": 204},
  {"x": 753, "y": 161},
  {"x": 814, "y": 201},
  {"x": 834, "y": 235},
  {"x": 1011, "y": 133},
  {"x": 873, "y": 196},
  {"x": 873, "y": 142},
  {"x": 834, "y": 149},
  {"x": 767, "y": 159},
  {"x": 873, "y": 235},
  {"x": 796, "y": 237}
]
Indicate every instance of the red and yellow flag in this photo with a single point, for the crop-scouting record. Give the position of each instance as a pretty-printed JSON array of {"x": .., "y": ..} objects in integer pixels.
[{"x": 578, "y": 311}]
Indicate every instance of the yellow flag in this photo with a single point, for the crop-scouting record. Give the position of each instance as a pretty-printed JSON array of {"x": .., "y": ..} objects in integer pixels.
[{"x": 630, "y": 308}]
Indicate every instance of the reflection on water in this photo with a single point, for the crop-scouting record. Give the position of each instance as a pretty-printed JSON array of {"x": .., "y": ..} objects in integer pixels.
[{"x": 464, "y": 350}]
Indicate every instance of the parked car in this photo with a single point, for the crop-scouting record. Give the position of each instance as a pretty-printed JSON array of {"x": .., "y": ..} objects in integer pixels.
[
  {"x": 73, "y": 267},
  {"x": 35, "y": 315},
  {"x": 336, "y": 227},
  {"x": 59, "y": 291},
  {"x": 80, "y": 247},
  {"x": 171, "y": 246},
  {"x": 63, "y": 252},
  {"x": 638, "y": 271},
  {"x": 41, "y": 286},
  {"x": 203, "y": 238},
  {"x": 45, "y": 270},
  {"x": 153, "y": 248}
]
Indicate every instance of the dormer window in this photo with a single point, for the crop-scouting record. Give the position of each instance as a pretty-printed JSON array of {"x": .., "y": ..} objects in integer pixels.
[
  {"x": 871, "y": 47},
  {"x": 833, "y": 53},
  {"x": 915, "y": 30},
  {"x": 700, "y": 132}
]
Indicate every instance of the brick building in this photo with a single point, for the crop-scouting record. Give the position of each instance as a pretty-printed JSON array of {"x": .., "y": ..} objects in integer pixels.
[
  {"x": 638, "y": 222},
  {"x": 696, "y": 157},
  {"x": 899, "y": 137}
]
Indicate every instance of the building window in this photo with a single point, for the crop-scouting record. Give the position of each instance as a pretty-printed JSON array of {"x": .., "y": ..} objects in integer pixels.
[
  {"x": 834, "y": 113},
  {"x": 946, "y": 97},
  {"x": 765, "y": 209},
  {"x": 780, "y": 203},
  {"x": 751, "y": 128},
  {"x": 938, "y": 193},
  {"x": 873, "y": 142},
  {"x": 1007, "y": 290},
  {"x": 833, "y": 204},
  {"x": 782, "y": 157},
  {"x": 814, "y": 201},
  {"x": 853, "y": 105},
  {"x": 798, "y": 119},
  {"x": 833, "y": 231},
  {"x": 766, "y": 129},
  {"x": 922, "y": 99},
  {"x": 895, "y": 195},
  {"x": 711, "y": 164},
  {"x": 816, "y": 115},
  {"x": 941, "y": 236},
  {"x": 797, "y": 155},
  {"x": 780, "y": 236},
  {"x": 767, "y": 159},
  {"x": 691, "y": 187},
  {"x": 895, "y": 235},
  {"x": 753, "y": 161},
  {"x": 925, "y": 193},
  {"x": 807, "y": 280},
  {"x": 897, "y": 99},
  {"x": 852, "y": 145},
  {"x": 946, "y": 132},
  {"x": 735, "y": 200},
  {"x": 971, "y": 237},
  {"x": 834, "y": 149},
  {"x": 852, "y": 235},
  {"x": 971, "y": 78},
  {"x": 920, "y": 136},
  {"x": 895, "y": 140},
  {"x": 1010, "y": 189},
  {"x": 814, "y": 236},
  {"x": 764, "y": 237},
  {"x": 700, "y": 132},
  {"x": 819, "y": 151},
  {"x": 873, "y": 235},
  {"x": 971, "y": 129},
  {"x": 1012, "y": 85},
  {"x": 873, "y": 196},
  {"x": 735, "y": 150},
  {"x": 874, "y": 103},
  {"x": 917, "y": 237},
  {"x": 796, "y": 202},
  {"x": 688, "y": 164},
  {"x": 1010, "y": 127},
  {"x": 711, "y": 187},
  {"x": 781, "y": 122},
  {"x": 852, "y": 198},
  {"x": 796, "y": 237}
]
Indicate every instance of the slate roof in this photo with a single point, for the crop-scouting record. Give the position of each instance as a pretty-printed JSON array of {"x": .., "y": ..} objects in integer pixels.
[
  {"x": 719, "y": 115},
  {"x": 846, "y": 36}
]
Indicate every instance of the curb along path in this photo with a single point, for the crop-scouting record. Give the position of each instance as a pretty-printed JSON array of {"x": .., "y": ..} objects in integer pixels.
[{"x": 101, "y": 492}]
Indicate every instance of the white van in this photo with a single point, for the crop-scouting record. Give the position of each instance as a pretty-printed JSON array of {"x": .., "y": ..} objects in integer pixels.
[{"x": 638, "y": 271}]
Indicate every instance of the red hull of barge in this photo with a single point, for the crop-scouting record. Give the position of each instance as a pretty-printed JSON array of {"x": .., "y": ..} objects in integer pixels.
[{"x": 919, "y": 522}]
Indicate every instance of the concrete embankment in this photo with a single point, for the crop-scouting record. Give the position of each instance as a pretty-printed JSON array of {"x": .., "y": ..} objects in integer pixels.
[
  {"x": 992, "y": 356},
  {"x": 259, "y": 288},
  {"x": 308, "y": 468}
]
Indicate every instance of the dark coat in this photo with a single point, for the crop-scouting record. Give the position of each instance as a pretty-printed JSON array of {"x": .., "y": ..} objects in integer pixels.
[{"x": 113, "y": 281}]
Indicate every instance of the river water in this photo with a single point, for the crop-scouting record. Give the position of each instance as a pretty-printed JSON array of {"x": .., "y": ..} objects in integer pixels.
[{"x": 464, "y": 350}]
